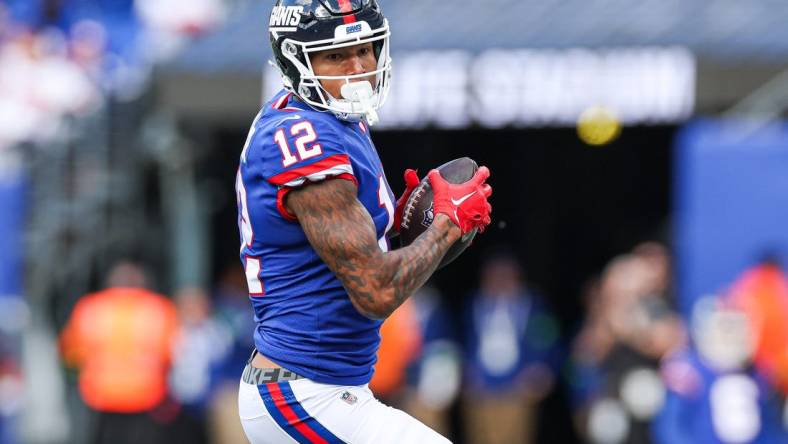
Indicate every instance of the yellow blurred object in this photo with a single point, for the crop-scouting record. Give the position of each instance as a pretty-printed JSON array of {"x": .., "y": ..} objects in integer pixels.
[{"x": 598, "y": 126}]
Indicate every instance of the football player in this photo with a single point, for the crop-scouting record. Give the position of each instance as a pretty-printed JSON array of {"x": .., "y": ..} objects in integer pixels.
[{"x": 314, "y": 211}]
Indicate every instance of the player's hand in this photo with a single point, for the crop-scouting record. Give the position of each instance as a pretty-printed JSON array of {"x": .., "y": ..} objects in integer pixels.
[
  {"x": 466, "y": 203},
  {"x": 411, "y": 182}
]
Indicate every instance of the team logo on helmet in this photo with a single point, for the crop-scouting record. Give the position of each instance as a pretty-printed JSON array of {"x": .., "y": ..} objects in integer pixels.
[{"x": 285, "y": 16}]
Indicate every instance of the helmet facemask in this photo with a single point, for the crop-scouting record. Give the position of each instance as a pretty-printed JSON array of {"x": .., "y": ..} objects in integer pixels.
[{"x": 358, "y": 101}]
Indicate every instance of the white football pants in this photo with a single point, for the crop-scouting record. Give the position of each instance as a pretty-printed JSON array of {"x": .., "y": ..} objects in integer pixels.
[{"x": 306, "y": 412}]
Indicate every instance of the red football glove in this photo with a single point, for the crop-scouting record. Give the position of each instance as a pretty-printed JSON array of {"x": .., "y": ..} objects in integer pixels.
[
  {"x": 411, "y": 182},
  {"x": 466, "y": 203}
]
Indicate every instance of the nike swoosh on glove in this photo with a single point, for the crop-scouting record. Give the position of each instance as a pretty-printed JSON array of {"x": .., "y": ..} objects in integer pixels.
[
  {"x": 466, "y": 203},
  {"x": 411, "y": 182}
]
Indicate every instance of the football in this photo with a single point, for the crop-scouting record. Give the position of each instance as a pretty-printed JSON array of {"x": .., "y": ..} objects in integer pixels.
[{"x": 417, "y": 215}]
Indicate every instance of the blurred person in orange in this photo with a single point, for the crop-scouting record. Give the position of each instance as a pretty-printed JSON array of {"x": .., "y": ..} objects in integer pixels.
[
  {"x": 400, "y": 342},
  {"x": 120, "y": 341},
  {"x": 762, "y": 293},
  {"x": 512, "y": 354}
]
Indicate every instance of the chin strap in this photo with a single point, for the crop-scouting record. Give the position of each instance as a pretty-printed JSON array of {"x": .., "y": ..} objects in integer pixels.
[{"x": 361, "y": 93}]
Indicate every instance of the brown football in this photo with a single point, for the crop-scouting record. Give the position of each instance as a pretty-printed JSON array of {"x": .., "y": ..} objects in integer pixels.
[{"x": 417, "y": 215}]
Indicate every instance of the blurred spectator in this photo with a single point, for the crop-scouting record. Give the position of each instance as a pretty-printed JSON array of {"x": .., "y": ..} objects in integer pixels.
[
  {"x": 87, "y": 47},
  {"x": 39, "y": 85},
  {"x": 590, "y": 347},
  {"x": 630, "y": 327},
  {"x": 714, "y": 396},
  {"x": 231, "y": 301},
  {"x": 120, "y": 340},
  {"x": 418, "y": 368},
  {"x": 512, "y": 355},
  {"x": 62, "y": 57},
  {"x": 762, "y": 293},
  {"x": 14, "y": 317},
  {"x": 434, "y": 377},
  {"x": 181, "y": 16},
  {"x": 200, "y": 346},
  {"x": 172, "y": 22}
]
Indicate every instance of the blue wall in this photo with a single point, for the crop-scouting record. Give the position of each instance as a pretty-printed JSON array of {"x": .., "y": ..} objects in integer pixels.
[{"x": 730, "y": 202}]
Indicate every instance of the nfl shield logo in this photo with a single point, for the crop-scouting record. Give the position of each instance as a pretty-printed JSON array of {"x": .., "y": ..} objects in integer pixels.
[
  {"x": 349, "y": 398},
  {"x": 428, "y": 216}
]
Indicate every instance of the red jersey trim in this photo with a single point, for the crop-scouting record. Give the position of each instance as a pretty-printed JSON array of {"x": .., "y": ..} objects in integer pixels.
[
  {"x": 279, "y": 104},
  {"x": 280, "y": 205},
  {"x": 280, "y": 196},
  {"x": 306, "y": 170}
]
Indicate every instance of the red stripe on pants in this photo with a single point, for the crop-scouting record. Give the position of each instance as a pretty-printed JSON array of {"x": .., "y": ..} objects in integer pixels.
[{"x": 291, "y": 416}]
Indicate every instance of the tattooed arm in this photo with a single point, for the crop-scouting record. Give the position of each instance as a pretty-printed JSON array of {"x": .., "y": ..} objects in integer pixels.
[{"x": 342, "y": 232}]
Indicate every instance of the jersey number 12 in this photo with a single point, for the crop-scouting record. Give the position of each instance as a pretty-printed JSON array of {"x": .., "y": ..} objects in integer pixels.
[{"x": 303, "y": 151}]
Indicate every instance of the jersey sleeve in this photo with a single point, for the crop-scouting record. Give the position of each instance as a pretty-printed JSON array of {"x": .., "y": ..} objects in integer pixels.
[
  {"x": 303, "y": 150},
  {"x": 299, "y": 150}
]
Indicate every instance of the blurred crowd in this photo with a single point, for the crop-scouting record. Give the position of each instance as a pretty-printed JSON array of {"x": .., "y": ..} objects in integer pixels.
[
  {"x": 62, "y": 63},
  {"x": 158, "y": 369},
  {"x": 61, "y": 59},
  {"x": 635, "y": 370},
  {"x": 640, "y": 373},
  {"x": 155, "y": 369}
]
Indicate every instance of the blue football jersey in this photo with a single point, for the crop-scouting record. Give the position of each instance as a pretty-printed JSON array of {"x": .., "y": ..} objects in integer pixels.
[
  {"x": 704, "y": 405},
  {"x": 304, "y": 318}
]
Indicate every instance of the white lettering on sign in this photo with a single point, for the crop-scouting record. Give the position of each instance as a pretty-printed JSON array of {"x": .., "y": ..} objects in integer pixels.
[{"x": 532, "y": 88}]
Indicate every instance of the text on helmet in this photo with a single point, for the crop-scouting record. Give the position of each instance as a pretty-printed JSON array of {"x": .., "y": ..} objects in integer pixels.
[{"x": 286, "y": 15}]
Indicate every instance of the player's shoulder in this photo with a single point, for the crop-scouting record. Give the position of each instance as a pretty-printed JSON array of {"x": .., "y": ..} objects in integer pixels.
[
  {"x": 284, "y": 111},
  {"x": 284, "y": 124},
  {"x": 291, "y": 142}
]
